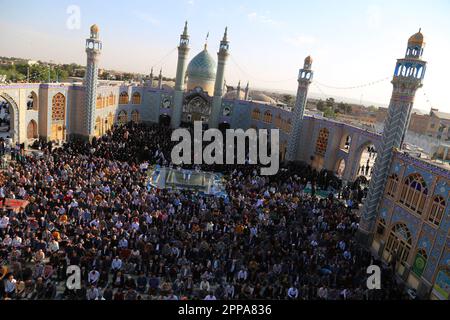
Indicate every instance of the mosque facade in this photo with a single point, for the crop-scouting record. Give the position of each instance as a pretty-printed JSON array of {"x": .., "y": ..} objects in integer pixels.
[{"x": 406, "y": 217}]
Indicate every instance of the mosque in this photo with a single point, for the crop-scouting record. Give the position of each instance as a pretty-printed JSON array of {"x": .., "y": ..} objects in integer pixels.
[{"x": 406, "y": 216}]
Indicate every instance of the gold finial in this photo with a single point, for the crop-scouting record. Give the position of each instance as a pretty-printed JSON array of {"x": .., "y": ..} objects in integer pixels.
[{"x": 95, "y": 28}]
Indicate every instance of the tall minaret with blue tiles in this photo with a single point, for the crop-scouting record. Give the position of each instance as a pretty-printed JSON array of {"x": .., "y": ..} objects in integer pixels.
[
  {"x": 408, "y": 78},
  {"x": 304, "y": 80},
  {"x": 93, "y": 51},
  {"x": 220, "y": 78},
  {"x": 183, "y": 52}
]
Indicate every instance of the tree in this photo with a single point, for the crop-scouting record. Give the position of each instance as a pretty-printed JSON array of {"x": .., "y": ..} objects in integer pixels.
[
  {"x": 288, "y": 99},
  {"x": 321, "y": 106},
  {"x": 330, "y": 103},
  {"x": 329, "y": 113}
]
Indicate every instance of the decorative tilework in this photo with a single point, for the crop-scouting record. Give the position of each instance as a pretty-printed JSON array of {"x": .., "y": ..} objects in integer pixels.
[{"x": 401, "y": 215}]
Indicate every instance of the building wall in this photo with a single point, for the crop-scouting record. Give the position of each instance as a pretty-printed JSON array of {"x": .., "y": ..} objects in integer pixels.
[{"x": 425, "y": 235}]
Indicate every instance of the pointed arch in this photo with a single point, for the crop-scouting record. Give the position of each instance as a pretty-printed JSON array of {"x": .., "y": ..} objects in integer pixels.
[
  {"x": 136, "y": 99},
  {"x": 124, "y": 98},
  {"x": 32, "y": 130},
  {"x": 414, "y": 193}
]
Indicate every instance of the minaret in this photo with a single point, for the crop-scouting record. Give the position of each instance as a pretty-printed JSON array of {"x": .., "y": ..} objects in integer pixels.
[
  {"x": 304, "y": 80},
  {"x": 220, "y": 76},
  {"x": 247, "y": 91},
  {"x": 238, "y": 91},
  {"x": 93, "y": 51},
  {"x": 150, "y": 80},
  {"x": 408, "y": 78},
  {"x": 160, "y": 80},
  {"x": 183, "y": 51}
]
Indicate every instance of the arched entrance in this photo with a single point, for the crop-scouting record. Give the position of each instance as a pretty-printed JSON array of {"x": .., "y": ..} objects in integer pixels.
[
  {"x": 365, "y": 161},
  {"x": 340, "y": 168},
  {"x": 10, "y": 121},
  {"x": 32, "y": 130},
  {"x": 318, "y": 159},
  {"x": 398, "y": 246},
  {"x": 122, "y": 118},
  {"x": 58, "y": 128},
  {"x": 164, "y": 120},
  {"x": 98, "y": 127}
]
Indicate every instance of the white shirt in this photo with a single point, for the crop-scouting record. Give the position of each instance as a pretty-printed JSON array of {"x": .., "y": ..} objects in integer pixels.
[
  {"x": 4, "y": 222},
  {"x": 93, "y": 276},
  {"x": 293, "y": 292},
  {"x": 116, "y": 264}
]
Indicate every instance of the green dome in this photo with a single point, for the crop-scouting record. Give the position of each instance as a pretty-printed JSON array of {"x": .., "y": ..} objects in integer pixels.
[{"x": 202, "y": 66}]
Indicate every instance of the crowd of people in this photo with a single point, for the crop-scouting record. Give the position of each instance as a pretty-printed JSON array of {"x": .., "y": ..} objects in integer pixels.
[{"x": 89, "y": 206}]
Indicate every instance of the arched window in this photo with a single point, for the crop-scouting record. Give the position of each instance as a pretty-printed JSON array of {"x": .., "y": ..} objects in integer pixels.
[
  {"x": 123, "y": 99},
  {"x": 437, "y": 210},
  {"x": 267, "y": 117},
  {"x": 32, "y": 130},
  {"x": 420, "y": 262},
  {"x": 399, "y": 243},
  {"x": 110, "y": 121},
  {"x": 122, "y": 118},
  {"x": 278, "y": 121},
  {"x": 58, "y": 107},
  {"x": 98, "y": 127},
  {"x": 32, "y": 102},
  {"x": 391, "y": 186},
  {"x": 111, "y": 100},
  {"x": 414, "y": 193},
  {"x": 322, "y": 142},
  {"x": 99, "y": 103},
  {"x": 381, "y": 226},
  {"x": 136, "y": 98},
  {"x": 256, "y": 114},
  {"x": 135, "y": 116}
]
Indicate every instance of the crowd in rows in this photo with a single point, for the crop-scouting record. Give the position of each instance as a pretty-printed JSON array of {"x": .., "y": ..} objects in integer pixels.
[{"x": 89, "y": 206}]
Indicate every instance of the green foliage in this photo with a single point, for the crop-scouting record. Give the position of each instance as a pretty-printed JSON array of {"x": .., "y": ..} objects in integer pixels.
[
  {"x": 321, "y": 106},
  {"x": 329, "y": 113},
  {"x": 36, "y": 73}
]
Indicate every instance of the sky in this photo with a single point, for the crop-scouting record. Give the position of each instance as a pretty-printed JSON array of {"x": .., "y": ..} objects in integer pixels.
[{"x": 352, "y": 42}]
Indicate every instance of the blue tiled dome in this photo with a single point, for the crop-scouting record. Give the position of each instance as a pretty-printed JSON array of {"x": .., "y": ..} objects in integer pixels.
[{"x": 202, "y": 66}]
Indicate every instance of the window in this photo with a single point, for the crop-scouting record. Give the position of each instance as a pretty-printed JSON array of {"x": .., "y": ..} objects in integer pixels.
[
  {"x": 322, "y": 142},
  {"x": 256, "y": 114},
  {"x": 123, "y": 99},
  {"x": 122, "y": 118},
  {"x": 99, "y": 103},
  {"x": 135, "y": 116},
  {"x": 268, "y": 117},
  {"x": 278, "y": 121},
  {"x": 136, "y": 98},
  {"x": 414, "y": 193},
  {"x": 32, "y": 102},
  {"x": 437, "y": 210},
  {"x": 381, "y": 226},
  {"x": 391, "y": 187},
  {"x": 399, "y": 243},
  {"x": 58, "y": 107}
]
